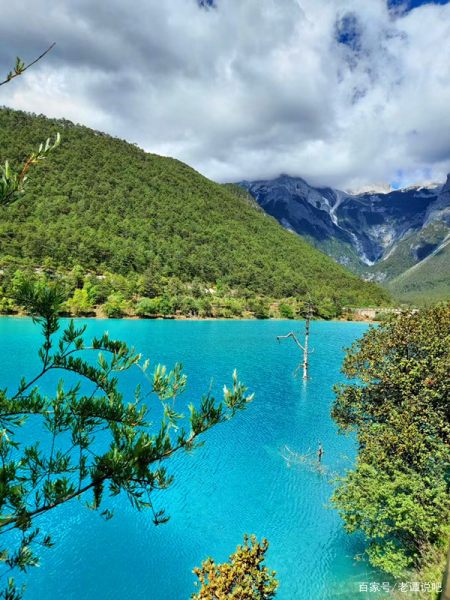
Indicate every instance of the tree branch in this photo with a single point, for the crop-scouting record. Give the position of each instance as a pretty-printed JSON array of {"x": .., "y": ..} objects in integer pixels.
[
  {"x": 293, "y": 336},
  {"x": 19, "y": 72}
]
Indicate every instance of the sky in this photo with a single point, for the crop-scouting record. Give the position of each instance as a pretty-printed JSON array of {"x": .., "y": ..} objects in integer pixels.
[{"x": 341, "y": 92}]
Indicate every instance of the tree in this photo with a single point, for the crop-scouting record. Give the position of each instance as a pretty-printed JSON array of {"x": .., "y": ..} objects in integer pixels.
[
  {"x": 115, "y": 306},
  {"x": 328, "y": 308},
  {"x": 308, "y": 311},
  {"x": 259, "y": 308},
  {"x": 165, "y": 306},
  {"x": 205, "y": 307},
  {"x": 243, "y": 578},
  {"x": 398, "y": 492},
  {"x": 147, "y": 307},
  {"x": 75, "y": 461},
  {"x": 286, "y": 311},
  {"x": 81, "y": 302}
]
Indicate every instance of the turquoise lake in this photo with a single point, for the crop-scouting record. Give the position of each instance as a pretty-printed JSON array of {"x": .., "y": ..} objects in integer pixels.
[{"x": 237, "y": 482}]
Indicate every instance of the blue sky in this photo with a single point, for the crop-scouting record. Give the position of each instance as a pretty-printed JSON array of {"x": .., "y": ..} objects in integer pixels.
[{"x": 410, "y": 4}]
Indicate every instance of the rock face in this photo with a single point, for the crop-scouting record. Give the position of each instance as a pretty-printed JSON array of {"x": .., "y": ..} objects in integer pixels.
[
  {"x": 440, "y": 209},
  {"x": 299, "y": 207},
  {"x": 362, "y": 230}
]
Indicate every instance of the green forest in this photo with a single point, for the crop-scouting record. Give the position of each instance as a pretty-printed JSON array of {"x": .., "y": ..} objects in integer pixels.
[
  {"x": 396, "y": 401},
  {"x": 125, "y": 232}
]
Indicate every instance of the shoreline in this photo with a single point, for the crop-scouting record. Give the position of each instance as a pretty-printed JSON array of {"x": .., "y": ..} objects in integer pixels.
[{"x": 184, "y": 318}]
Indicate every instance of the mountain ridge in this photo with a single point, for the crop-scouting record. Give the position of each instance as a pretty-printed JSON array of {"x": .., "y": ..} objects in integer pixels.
[{"x": 377, "y": 235}]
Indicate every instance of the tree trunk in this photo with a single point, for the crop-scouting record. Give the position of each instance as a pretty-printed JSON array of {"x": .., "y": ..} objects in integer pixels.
[
  {"x": 304, "y": 347},
  {"x": 305, "y": 350}
]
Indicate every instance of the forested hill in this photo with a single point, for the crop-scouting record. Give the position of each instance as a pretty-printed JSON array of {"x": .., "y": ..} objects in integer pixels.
[{"x": 103, "y": 205}]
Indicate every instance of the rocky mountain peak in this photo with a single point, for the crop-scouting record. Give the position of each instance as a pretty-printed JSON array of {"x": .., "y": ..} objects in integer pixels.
[
  {"x": 362, "y": 227},
  {"x": 446, "y": 187}
]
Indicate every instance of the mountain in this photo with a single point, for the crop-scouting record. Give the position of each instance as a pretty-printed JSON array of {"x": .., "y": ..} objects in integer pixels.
[
  {"x": 427, "y": 281},
  {"x": 430, "y": 277},
  {"x": 104, "y": 206},
  {"x": 381, "y": 234}
]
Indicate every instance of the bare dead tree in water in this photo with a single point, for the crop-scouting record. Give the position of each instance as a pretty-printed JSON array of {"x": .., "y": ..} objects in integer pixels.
[{"x": 308, "y": 313}]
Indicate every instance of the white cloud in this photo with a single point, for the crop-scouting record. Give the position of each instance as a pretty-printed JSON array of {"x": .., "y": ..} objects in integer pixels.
[{"x": 248, "y": 89}]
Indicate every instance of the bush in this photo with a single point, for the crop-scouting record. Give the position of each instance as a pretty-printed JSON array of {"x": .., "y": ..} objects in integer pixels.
[
  {"x": 205, "y": 308},
  {"x": 81, "y": 303},
  {"x": 189, "y": 307},
  {"x": 244, "y": 576},
  {"x": 286, "y": 311},
  {"x": 7, "y": 306},
  {"x": 259, "y": 309},
  {"x": 147, "y": 307},
  {"x": 115, "y": 306}
]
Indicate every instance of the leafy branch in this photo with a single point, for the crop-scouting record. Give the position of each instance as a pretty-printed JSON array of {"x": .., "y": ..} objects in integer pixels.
[
  {"x": 76, "y": 462},
  {"x": 12, "y": 182},
  {"x": 20, "y": 67}
]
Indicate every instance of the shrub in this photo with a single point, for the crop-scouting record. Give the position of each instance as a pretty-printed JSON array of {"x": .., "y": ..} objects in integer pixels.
[
  {"x": 115, "y": 306},
  {"x": 244, "y": 576}
]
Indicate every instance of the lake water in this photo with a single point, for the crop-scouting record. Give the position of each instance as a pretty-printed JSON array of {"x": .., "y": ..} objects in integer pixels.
[{"x": 237, "y": 482}]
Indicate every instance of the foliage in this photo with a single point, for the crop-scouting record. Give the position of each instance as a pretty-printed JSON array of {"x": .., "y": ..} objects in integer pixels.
[
  {"x": 147, "y": 307},
  {"x": 20, "y": 67},
  {"x": 398, "y": 493},
  {"x": 7, "y": 306},
  {"x": 243, "y": 578},
  {"x": 82, "y": 302},
  {"x": 259, "y": 308},
  {"x": 12, "y": 182},
  {"x": 327, "y": 308},
  {"x": 34, "y": 481},
  {"x": 286, "y": 311},
  {"x": 151, "y": 225},
  {"x": 152, "y": 307},
  {"x": 115, "y": 306},
  {"x": 93, "y": 442},
  {"x": 205, "y": 308},
  {"x": 116, "y": 295}
]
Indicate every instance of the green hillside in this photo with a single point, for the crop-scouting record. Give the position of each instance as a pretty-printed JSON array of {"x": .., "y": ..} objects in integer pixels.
[
  {"x": 428, "y": 281},
  {"x": 404, "y": 256},
  {"x": 102, "y": 211}
]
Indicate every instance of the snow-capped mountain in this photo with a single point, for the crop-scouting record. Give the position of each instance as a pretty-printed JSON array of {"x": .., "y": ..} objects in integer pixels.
[{"x": 379, "y": 233}]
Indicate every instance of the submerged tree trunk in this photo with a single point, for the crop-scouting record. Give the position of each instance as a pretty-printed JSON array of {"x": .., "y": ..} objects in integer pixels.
[{"x": 304, "y": 347}]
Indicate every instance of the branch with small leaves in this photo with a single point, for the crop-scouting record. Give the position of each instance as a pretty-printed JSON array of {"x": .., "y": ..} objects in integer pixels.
[
  {"x": 127, "y": 458},
  {"x": 20, "y": 67},
  {"x": 13, "y": 182}
]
